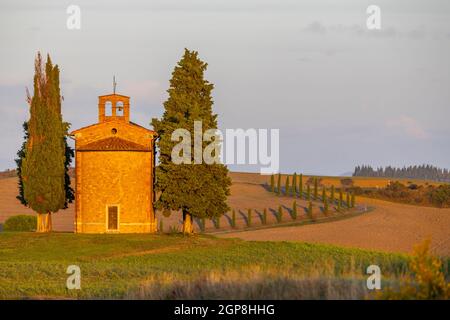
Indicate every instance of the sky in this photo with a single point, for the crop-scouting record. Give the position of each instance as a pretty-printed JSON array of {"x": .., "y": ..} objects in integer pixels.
[{"x": 340, "y": 94}]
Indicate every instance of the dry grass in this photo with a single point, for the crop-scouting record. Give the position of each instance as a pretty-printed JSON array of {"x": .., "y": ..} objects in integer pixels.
[
  {"x": 253, "y": 283},
  {"x": 172, "y": 266}
]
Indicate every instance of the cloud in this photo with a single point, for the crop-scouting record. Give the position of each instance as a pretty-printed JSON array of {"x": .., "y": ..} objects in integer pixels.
[
  {"x": 417, "y": 32},
  {"x": 316, "y": 27},
  {"x": 408, "y": 126},
  {"x": 142, "y": 90}
]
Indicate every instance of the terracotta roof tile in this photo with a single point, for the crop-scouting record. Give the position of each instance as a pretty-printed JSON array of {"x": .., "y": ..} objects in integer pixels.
[{"x": 113, "y": 144}]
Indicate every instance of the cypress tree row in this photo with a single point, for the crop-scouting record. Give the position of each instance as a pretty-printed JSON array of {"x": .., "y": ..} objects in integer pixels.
[
  {"x": 286, "y": 186},
  {"x": 272, "y": 183},
  {"x": 195, "y": 189},
  {"x": 44, "y": 159}
]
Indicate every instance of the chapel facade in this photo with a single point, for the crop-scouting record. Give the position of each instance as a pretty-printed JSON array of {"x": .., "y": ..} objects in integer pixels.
[{"x": 115, "y": 171}]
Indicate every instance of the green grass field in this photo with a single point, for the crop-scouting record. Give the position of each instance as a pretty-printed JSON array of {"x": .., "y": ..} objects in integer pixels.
[{"x": 172, "y": 266}]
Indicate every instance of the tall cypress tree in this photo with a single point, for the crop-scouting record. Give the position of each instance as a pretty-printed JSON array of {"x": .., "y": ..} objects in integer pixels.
[
  {"x": 199, "y": 190},
  {"x": 44, "y": 163},
  {"x": 272, "y": 183},
  {"x": 69, "y": 154}
]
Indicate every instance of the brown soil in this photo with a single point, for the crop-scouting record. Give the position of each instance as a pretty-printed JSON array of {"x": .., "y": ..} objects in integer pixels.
[{"x": 390, "y": 227}]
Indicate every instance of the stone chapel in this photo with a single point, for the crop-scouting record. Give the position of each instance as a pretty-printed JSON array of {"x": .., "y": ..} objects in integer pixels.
[{"x": 115, "y": 164}]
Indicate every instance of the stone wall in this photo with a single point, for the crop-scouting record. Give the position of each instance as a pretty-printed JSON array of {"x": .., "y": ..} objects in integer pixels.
[{"x": 122, "y": 178}]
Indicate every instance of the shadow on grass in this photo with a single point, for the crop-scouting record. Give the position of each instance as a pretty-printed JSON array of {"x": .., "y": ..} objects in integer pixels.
[{"x": 274, "y": 212}]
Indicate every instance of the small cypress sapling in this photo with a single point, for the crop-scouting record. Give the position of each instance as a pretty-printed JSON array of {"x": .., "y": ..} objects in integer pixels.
[
  {"x": 310, "y": 210},
  {"x": 324, "y": 194},
  {"x": 353, "y": 200},
  {"x": 294, "y": 210},
  {"x": 233, "y": 218},
  {"x": 264, "y": 216},
  {"x": 308, "y": 192},
  {"x": 332, "y": 194},
  {"x": 316, "y": 186},
  {"x": 325, "y": 206},
  {"x": 300, "y": 186},
  {"x": 279, "y": 184},
  {"x": 341, "y": 198},
  {"x": 280, "y": 214},
  {"x": 286, "y": 186},
  {"x": 294, "y": 185},
  {"x": 203, "y": 224},
  {"x": 217, "y": 222},
  {"x": 272, "y": 183},
  {"x": 348, "y": 200},
  {"x": 161, "y": 226},
  {"x": 249, "y": 218}
]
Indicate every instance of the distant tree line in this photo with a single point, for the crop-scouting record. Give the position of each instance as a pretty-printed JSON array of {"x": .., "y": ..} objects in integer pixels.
[{"x": 427, "y": 172}]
